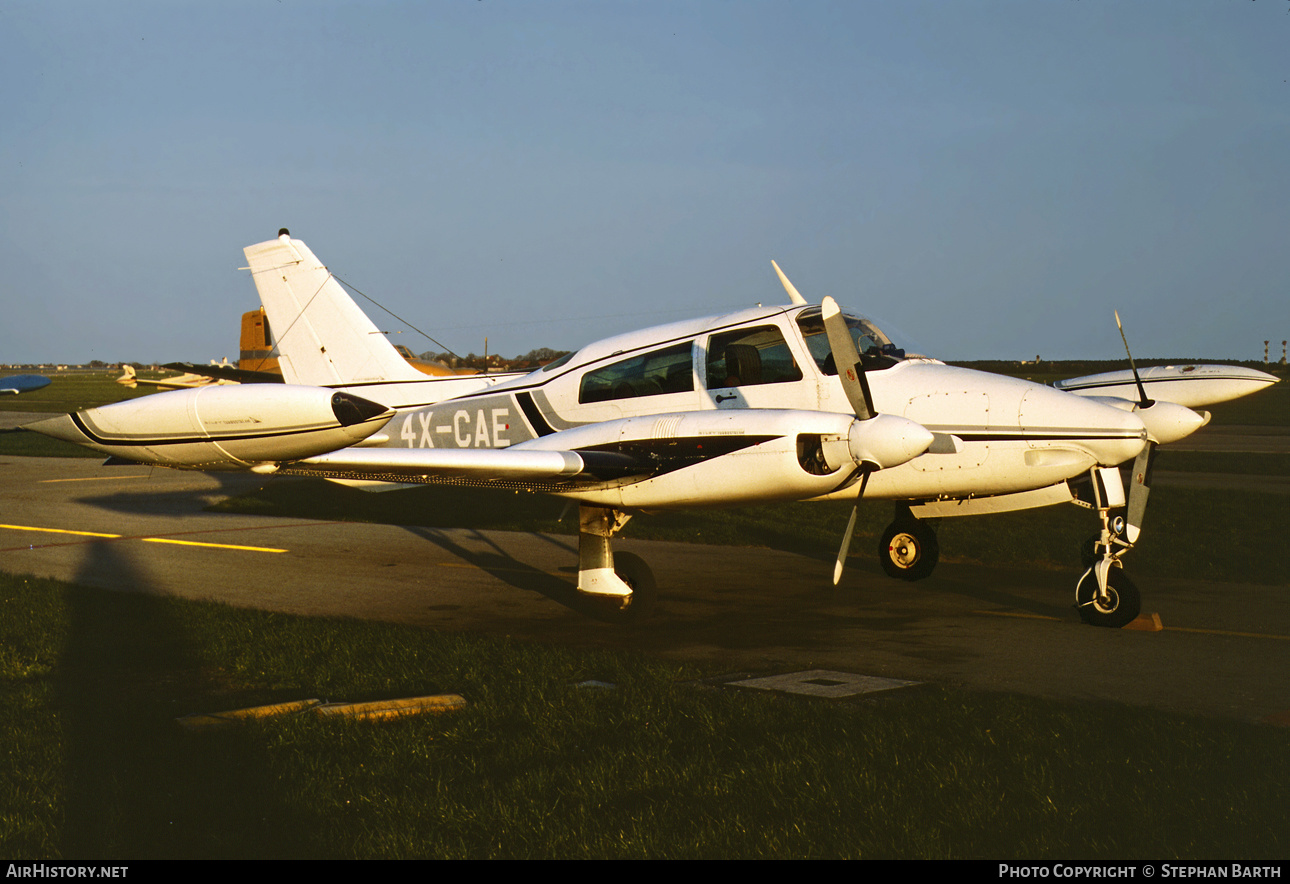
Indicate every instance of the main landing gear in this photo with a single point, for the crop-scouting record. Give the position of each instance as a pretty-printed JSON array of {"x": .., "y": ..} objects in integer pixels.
[
  {"x": 1104, "y": 595},
  {"x": 908, "y": 549},
  {"x": 622, "y": 583}
]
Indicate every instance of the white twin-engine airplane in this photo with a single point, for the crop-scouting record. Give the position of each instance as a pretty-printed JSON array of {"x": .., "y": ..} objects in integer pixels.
[{"x": 743, "y": 408}]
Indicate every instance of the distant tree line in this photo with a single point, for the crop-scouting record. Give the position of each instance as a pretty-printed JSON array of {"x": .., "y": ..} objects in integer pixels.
[{"x": 532, "y": 359}]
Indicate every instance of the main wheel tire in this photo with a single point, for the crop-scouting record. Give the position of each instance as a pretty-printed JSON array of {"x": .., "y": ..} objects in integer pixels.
[
  {"x": 908, "y": 550},
  {"x": 1119, "y": 610},
  {"x": 633, "y": 571}
]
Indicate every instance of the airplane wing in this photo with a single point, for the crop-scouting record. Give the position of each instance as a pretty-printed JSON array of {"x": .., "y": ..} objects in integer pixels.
[
  {"x": 1191, "y": 386},
  {"x": 536, "y": 470},
  {"x": 687, "y": 458},
  {"x": 227, "y": 373},
  {"x": 22, "y": 383}
]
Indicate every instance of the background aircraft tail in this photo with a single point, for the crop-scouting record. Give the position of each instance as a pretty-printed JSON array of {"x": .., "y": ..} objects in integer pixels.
[
  {"x": 257, "y": 344},
  {"x": 322, "y": 337}
]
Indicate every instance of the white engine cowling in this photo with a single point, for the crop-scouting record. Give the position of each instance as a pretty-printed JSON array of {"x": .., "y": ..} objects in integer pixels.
[{"x": 223, "y": 427}]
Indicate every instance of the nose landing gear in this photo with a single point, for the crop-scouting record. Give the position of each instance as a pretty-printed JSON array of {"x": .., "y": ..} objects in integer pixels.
[{"x": 1104, "y": 595}]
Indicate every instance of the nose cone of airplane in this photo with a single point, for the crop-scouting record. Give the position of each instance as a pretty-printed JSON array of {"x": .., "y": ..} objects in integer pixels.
[{"x": 60, "y": 427}]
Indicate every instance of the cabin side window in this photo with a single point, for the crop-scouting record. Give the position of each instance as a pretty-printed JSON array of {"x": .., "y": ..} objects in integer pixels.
[
  {"x": 750, "y": 356},
  {"x": 669, "y": 370}
]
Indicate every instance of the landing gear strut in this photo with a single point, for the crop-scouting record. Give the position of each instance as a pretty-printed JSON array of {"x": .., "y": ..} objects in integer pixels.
[
  {"x": 908, "y": 549},
  {"x": 623, "y": 581},
  {"x": 1104, "y": 594}
]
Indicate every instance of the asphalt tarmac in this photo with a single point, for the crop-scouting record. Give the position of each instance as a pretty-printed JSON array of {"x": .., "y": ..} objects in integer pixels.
[{"x": 1224, "y": 651}]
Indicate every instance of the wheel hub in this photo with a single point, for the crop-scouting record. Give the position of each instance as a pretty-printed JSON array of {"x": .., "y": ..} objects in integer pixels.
[
  {"x": 904, "y": 550},
  {"x": 1107, "y": 604}
]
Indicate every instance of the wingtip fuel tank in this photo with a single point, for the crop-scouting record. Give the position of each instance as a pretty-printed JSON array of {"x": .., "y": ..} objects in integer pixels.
[{"x": 228, "y": 427}]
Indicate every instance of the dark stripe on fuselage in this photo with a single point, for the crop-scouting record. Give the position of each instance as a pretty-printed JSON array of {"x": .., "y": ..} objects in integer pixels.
[
  {"x": 971, "y": 436},
  {"x": 1146, "y": 382},
  {"x": 190, "y": 440},
  {"x": 533, "y": 413}
]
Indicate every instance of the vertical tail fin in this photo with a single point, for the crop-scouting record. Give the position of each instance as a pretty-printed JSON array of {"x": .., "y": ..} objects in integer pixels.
[{"x": 322, "y": 337}]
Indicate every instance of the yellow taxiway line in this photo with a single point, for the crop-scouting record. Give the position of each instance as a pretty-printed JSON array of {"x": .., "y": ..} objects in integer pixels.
[
  {"x": 265, "y": 549},
  {"x": 58, "y": 531},
  {"x": 1197, "y": 631},
  {"x": 91, "y": 479},
  {"x": 1018, "y": 615},
  {"x": 1284, "y": 638}
]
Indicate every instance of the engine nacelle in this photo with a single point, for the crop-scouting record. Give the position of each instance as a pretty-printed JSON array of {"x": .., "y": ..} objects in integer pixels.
[
  {"x": 738, "y": 455},
  {"x": 223, "y": 427}
]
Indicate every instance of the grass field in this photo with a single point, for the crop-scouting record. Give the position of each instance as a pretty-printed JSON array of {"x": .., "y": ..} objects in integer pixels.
[
  {"x": 539, "y": 765},
  {"x": 657, "y": 764},
  {"x": 68, "y": 392}
]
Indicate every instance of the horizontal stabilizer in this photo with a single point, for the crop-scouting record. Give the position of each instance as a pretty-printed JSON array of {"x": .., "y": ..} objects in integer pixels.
[{"x": 227, "y": 373}]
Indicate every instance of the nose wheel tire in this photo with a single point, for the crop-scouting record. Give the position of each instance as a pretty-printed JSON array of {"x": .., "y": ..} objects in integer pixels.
[
  {"x": 635, "y": 573},
  {"x": 908, "y": 550},
  {"x": 1121, "y": 606}
]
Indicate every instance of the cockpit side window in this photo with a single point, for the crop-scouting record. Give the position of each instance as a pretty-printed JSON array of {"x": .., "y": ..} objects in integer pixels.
[
  {"x": 876, "y": 349},
  {"x": 670, "y": 370},
  {"x": 553, "y": 365},
  {"x": 750, "y": 356}
]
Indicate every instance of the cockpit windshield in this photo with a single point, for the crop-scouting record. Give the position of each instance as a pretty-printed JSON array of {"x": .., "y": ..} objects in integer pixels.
[{"x": 875, "y": 348}]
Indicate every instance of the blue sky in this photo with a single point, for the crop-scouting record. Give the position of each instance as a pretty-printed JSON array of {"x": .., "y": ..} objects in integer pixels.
[{"x": 992, "y": 178}]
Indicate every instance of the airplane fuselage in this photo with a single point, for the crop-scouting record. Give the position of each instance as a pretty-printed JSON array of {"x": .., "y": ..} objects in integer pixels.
[
  {"x": 766, "y": 368},
  {"x": 768, "y": 404}
]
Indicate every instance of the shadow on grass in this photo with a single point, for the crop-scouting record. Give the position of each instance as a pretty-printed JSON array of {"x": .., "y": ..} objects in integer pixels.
[
  {"x": 135, "y": 787},
  {"x": 507, "y": 569}
]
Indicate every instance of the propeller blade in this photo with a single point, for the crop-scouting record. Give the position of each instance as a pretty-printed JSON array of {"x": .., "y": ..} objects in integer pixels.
[
  {"x": 846, "y": 546},
  {"x": 793, "y": 294},
  {"x": 847, "y": 360},
  {"x": 1139, "y": 489},
  {"x": 1143, "y": 401},
  {"x": 845, "y": 549}
]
